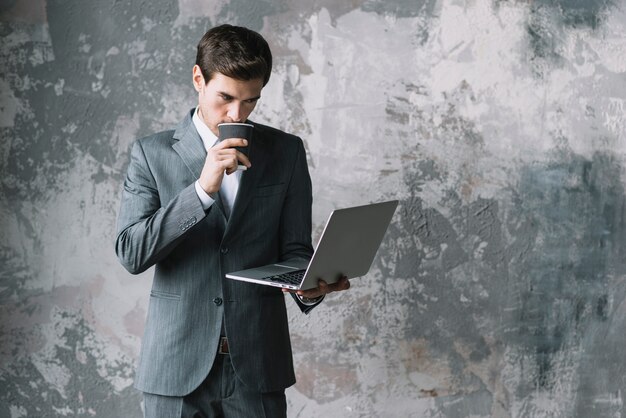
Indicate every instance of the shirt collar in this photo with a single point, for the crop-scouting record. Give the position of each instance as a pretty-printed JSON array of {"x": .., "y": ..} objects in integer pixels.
[{"x": 208, "y": 138}]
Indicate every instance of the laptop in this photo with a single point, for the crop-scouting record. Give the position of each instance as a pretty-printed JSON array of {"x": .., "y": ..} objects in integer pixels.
[{"x": 347, "y": 247}]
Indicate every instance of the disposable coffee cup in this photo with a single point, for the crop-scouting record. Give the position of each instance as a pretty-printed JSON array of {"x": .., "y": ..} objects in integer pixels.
[{"x": 237, "y": 130}]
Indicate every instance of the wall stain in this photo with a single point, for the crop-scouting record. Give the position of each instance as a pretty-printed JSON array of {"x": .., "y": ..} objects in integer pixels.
[
  {"x": 548, "y": 24},
  {"x": 578, "y": 207}
]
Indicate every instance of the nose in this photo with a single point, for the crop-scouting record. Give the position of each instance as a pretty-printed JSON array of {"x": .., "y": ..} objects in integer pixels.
[{"x": 235, "y": 112}]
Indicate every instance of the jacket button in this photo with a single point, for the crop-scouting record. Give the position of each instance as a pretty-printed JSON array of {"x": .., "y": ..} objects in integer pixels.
[
  {"x": 224, "y": 250},
  {"x": 217, "y": 301}
]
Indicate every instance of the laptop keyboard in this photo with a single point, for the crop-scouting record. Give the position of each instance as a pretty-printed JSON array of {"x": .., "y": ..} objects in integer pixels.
[{"x": 293, "y": 277}]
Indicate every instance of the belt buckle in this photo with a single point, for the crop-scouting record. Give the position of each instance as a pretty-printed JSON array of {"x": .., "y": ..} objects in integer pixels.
[{"x": 223, "y": 346}]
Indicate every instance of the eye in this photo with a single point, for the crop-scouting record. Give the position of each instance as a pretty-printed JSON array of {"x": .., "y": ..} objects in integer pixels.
[{"x": 226, "y": 97}]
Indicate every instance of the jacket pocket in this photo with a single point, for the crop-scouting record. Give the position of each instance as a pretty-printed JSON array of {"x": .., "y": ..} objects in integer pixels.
[{"x": 164, "y": 295}]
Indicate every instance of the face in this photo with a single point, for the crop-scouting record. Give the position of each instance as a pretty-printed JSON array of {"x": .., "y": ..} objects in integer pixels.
[{"x": 224, "y": 99}]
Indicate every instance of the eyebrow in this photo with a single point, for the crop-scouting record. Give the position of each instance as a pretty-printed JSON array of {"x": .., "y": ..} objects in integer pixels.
[{"x": 223, "y": 93}]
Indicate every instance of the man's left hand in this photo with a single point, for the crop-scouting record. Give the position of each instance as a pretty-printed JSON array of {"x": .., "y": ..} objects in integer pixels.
[{"x": 322, "y": 288}]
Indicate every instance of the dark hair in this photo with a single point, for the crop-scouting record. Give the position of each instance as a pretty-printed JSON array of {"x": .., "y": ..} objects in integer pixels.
[{"x": 236, "y": 52}]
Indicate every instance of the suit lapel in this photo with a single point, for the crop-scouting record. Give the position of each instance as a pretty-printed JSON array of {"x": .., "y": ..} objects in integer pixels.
[{"x": 191, "y": 150}]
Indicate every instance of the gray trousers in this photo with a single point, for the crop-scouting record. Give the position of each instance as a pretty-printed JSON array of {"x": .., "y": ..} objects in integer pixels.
[{"x": 220, "y": 395}]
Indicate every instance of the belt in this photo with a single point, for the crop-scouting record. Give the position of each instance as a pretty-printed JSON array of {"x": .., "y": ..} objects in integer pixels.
[{"x": 223, "y": 346}]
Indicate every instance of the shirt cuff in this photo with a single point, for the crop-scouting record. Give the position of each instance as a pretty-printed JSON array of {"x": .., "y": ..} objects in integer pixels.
[
  {"x": 206, "y": 200},
  {"x": 310, "y": 301}
]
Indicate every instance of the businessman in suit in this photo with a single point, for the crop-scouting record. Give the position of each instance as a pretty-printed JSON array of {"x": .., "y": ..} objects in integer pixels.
[{"x": 215, "y": 347}]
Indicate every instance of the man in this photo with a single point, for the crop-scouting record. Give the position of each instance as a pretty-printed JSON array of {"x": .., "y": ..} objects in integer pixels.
[{"x": 216, "y": 347}]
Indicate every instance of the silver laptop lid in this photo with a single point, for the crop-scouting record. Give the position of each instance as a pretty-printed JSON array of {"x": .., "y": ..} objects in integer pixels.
[{"x": 349, "y": 242}]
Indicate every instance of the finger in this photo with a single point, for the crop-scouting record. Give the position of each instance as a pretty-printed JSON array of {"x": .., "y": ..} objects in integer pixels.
[
  {"x": 322, "y": 287},
  {"x": 231, "y": 157},
  {"x": 228, "y": 162},
  {"x": 231, "y": 169},
  {"x": 341, "y": 284},
  {"x": 311, "y": 293},
  {"x": 231, "y": 143},
  {"x": 243, "y": 159}
]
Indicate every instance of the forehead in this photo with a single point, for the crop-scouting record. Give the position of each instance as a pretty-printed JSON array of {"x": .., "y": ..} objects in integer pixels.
[{"x": 241, "y": 89}]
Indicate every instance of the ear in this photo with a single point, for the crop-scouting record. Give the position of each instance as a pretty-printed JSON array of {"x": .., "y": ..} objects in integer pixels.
[{"x": 198, "y": 79}]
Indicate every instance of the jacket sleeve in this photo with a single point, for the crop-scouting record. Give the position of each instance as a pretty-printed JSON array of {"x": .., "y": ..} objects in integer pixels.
[
  {"x": 147, "y": 231},
  {"x": 296, "y": 224}
]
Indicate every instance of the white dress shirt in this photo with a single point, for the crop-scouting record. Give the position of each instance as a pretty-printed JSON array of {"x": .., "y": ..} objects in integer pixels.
[{"x": 230, "y": 182}]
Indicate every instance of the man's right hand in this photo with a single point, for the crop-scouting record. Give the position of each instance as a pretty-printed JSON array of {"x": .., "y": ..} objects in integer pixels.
[{"x": 222, "y": 158}]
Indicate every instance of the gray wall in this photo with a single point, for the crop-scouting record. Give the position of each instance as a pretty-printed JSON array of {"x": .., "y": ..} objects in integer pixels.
[{"x": 500, "y": 288}]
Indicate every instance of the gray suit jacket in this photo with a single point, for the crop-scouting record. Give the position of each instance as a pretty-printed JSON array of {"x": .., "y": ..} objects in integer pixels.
[{"x": 162, "y": 223}]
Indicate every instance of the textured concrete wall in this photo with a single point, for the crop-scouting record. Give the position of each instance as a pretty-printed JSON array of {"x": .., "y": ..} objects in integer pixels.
[{"x": 500, "y": 288}]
